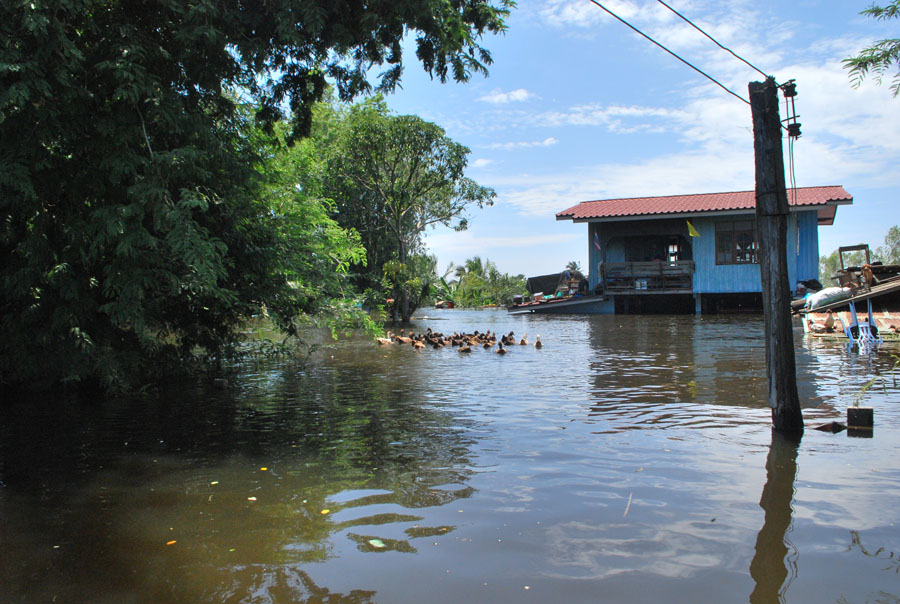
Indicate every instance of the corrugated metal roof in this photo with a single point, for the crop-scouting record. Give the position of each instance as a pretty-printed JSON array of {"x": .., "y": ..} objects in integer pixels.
[{"x": 691, "y": 204}]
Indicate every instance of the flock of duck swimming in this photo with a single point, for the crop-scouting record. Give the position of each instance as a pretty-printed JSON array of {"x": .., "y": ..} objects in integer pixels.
[{"x": 464, "y": 342}]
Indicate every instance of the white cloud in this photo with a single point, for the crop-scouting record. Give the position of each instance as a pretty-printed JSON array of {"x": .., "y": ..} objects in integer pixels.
[
  {"x": 454, "y": 243},
  {"x": 482, "y": 162},
  {"x": 498, "y": 97},
  {"x": 582, "y": 14},
  {"x": 661, "y": 175},
  {"x": 848, "y": 136},
  {"x": 547, "y": 142},
  {"x": 614, "y": 118}
]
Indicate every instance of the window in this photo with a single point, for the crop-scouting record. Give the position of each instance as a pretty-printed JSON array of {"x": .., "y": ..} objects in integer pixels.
[
  {"x": 674, "y": 251},
  {"x": 736, "y": 243}
]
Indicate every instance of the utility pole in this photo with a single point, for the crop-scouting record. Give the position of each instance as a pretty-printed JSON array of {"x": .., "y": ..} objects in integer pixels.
[{"x": 772, "y": 213}]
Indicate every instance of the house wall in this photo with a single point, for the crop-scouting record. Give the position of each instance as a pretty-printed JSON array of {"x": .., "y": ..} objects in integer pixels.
[
  {"x": 808, "y": 254},
  {"x": 710, "y": 277},
  {"x": 802, "y": 250},
  {"x": 612, "y": 239}
]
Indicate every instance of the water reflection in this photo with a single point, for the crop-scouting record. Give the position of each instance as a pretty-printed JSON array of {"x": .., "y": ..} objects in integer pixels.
[
  {"x": 622, "y": 462},
  {"x": 246, "y": 487},
  {"x": 658, "y": 372},
  {"x": 774, "y": 565}
]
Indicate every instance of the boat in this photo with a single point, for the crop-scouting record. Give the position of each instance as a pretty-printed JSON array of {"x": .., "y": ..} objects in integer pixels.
[{"x": 562, "y": 293}]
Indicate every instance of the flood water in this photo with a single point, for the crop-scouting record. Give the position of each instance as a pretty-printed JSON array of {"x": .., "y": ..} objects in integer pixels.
[{"x": 629, "y": 460}]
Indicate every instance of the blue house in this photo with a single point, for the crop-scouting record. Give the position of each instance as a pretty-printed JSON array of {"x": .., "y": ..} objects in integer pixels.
[{"x": 693, "y": 253}]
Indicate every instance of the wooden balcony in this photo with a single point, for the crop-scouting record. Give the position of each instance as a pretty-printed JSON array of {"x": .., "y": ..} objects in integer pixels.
[{"x": 656, "y": 277}]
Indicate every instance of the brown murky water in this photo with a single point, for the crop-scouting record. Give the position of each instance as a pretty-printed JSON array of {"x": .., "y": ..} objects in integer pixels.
[{"x": 629, "y": 460}]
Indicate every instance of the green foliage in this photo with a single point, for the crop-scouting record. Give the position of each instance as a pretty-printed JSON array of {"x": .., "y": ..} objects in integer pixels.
[
  {"x": 575, "y": 268},
  {"x": 830, "y": 265},
  {"x": 482, "y": 284},
  {"x": 411, "y": 281},
  {"x": 393, "y": 177},
  {"x": 142, "y": 215},
  {"x": 889, "y": 253},
  {"x": 879, "y": 58}
]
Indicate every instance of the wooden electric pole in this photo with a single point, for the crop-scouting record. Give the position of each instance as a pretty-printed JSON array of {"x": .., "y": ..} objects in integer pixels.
[{"x": 772, "y": 213}]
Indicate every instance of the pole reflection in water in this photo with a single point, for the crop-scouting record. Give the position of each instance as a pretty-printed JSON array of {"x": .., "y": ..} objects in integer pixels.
[{"x": 774, "y": 565}]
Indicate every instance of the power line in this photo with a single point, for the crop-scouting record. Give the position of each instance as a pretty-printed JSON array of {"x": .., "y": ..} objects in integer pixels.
[
  {"x": 695, "y": 68},
  {"x": 716, "y": 42}
]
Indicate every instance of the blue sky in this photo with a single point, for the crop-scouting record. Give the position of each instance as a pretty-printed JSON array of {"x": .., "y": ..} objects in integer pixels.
[{"x": 578, "y": 107}]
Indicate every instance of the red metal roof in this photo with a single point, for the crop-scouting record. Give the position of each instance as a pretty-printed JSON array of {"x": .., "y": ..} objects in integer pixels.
[{"x": 704, "y": 202}]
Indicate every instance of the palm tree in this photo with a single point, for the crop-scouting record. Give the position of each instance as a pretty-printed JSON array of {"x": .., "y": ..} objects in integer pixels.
[{"x": 574, "y": 268}]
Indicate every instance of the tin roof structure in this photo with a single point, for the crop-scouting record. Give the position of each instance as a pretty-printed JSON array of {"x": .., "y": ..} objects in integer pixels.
[{"x": 825, "y": 199}]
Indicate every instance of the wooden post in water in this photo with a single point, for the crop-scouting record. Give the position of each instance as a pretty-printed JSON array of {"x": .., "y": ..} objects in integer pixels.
[{"x": 772, "y": 213}]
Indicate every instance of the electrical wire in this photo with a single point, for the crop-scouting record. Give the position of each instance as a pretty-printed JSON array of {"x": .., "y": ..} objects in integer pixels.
[
  {"x": 791, "y": 172},
  {"x": 695, "y": 68},
  {"x": 714, "y": 41}
]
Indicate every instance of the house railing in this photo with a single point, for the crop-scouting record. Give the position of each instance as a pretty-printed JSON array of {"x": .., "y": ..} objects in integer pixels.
[{"x": 648, "y": 277}]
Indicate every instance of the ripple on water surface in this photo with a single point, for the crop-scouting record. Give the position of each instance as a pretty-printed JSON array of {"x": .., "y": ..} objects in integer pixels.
[{"x": 628, "y": 460}]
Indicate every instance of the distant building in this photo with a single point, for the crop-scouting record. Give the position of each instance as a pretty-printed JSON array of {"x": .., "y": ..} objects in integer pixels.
[{"x": 694, "y": 253}]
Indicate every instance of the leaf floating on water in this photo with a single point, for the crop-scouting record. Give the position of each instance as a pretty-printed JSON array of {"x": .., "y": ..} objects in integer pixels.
[
  {"x": 325, "y": 511},
  {"x": 251, "y": 498},
  {"x": 172, "y": 542},
  {"x": 377, "y": 543},
  {"x": 263, "y": 469},
  {"x": 214, "y": 482}
]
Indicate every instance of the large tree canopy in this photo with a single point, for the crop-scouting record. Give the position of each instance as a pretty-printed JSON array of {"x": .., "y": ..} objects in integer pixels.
[
  {"x": 396, "y": 176},
  {"x": 135, "y": 217}
]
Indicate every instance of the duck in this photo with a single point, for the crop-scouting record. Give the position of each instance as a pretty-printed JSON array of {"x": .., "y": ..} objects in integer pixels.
[
  {"x": 827, "y": 326},
  {"x": 500, "y": 349},
  {"x": 524, "y": 340},
  {"x": 465, "y": 348},
  {"x": 537, "y": 342},
  {"x": 418, "y": 345}
]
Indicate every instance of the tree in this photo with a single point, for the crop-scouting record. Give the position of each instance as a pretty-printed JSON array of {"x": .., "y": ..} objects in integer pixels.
[
  {"x": 400, "y": 175},
  {"x": 889, "y": 253},
  {"x": 134, "y": 218},
  {"x": 575, "y": 268},
  {"x": 481, "y": 283},
  {"x": 881, "y": 56},
  {"x": 830, "y": 265}
]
